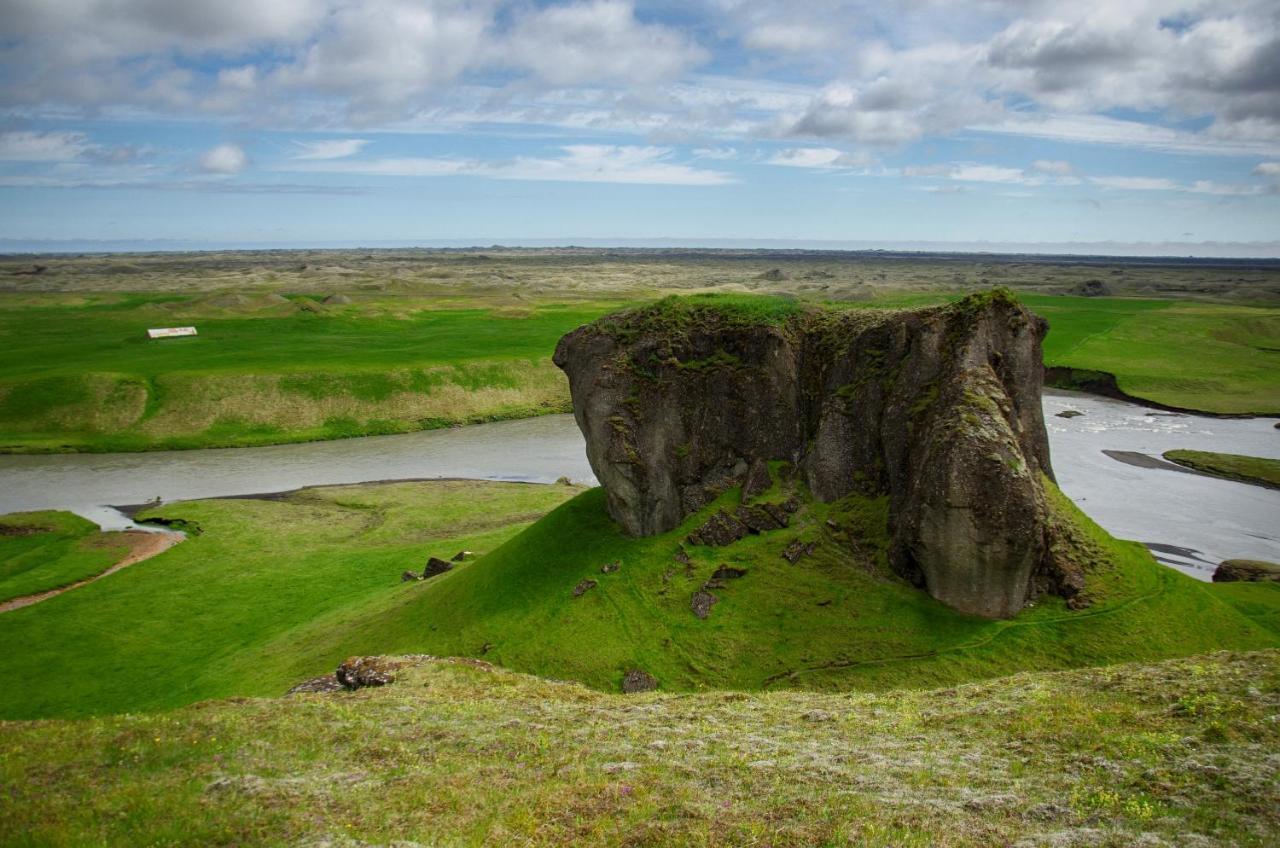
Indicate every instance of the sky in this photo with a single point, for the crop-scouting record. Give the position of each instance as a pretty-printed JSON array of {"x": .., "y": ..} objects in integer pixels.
[{"x": 1148, "y": 124}]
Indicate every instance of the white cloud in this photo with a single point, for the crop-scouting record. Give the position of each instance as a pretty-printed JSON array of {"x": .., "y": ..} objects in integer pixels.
[
  {"x": 788, "y": 38},
  {"x": 720, "y": 154},
  {"x": 596, "y": 42},
  {"x": 336, "y": 148},
  {"x": 1053, "y": 167},
  {"x": 593, "y": 163},
  {"x": 23, "y": 146},
  {"x": 224, "y": 159},
  {"x": 1267, "y": 169},
  {"x": 818, "y": 157},
  {"x": 1136, "y": 183}
]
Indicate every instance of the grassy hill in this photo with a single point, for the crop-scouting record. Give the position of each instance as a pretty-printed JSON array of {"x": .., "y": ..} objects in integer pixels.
[
  {"x": 275, "y": 591},
  {"x": 1179, "y": 752}
]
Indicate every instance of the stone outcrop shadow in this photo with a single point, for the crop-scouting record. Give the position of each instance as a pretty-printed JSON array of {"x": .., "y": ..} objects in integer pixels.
[{"x": 938, "y": 408}]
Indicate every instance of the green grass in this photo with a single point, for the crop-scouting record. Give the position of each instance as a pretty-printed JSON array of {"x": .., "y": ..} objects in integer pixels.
[
  {"x": 85, "y": 377},
  {"x": 1246, "y": 469},
  {"x": 1210, "y": 357},
  {"x": 46, "y": 550},
  {"x": 1179, "y": 752},
  {"x": 272, "y": 592},
  {"x": 213, "y": 616}
]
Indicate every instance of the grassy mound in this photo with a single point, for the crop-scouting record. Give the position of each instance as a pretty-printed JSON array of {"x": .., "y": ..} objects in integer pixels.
[
  {"x": 461, "y": 753},
  {"x": 820, "y": 623},
  {"x": 46, "y": 550},
  {"x": 1231, "y": 466}
]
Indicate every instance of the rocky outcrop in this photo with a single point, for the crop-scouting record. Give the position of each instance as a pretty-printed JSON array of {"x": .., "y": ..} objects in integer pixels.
[
  {"x": 939, "y": 409},
  {"x": 1247, "y": 571}
]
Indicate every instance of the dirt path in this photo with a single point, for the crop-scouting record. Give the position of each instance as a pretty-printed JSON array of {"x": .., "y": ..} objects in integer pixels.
[{"x": 144, "y": 546}]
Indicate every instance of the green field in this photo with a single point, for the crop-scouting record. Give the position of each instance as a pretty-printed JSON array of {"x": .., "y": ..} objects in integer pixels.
[
  {"x": 47, "y": 550},
  {"x": 1176, "y": 753},
  {"x": 275, "y": 591},
  {"x": 296, "y": 347},
  {"x": 1245, "y": 469}
]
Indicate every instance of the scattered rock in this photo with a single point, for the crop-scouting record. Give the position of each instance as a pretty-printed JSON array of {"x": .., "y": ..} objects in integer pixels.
[
  {"x": 702, "y": 602},
  {"x": 583, "y": 587},
  {"x": 359, "y": 672},
  {"x": 1069, "y": 413},
  {"x": 818, "y": 716},
  {"x": 758, "y": 519},
  {"x": 336, "y": 300},
  {"x": 409, "y": 576},
  {"x": 636, "y": 680},
  {"x": 825, "y": 603},
  {"x": 721, "y": 529},
  {"x": 614, "y": 768},
  {"x": 610, "y": 567},
  {"x": 728, "y": 572},
  {"x": 1092, "y": 288},
  {"x": 773, "y": 275},
  {"x": 436, "y": 566},
  {"x": 563, "y": 481},
  {"x": 681, "y": 557},
  {"x": 797, "y": 550},
  {"x": 486, "y": 647},
  {"x": 327, "y": 683},
  {"x": 461, "y": 556},
  {"x": 1247, "y": 571}
]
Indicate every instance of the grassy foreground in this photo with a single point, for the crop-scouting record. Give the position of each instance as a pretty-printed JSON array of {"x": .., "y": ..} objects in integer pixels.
[
  {"x": 460, "y": 753},
  {"x": 1246, "y": 469},
  {"x": 273, "y": 592}
]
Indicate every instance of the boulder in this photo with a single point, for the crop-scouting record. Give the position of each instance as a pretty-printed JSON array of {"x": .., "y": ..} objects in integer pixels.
[
  {"x": 359, "y": 672},
  {"x": 436, "y": 566},
  {"x": 610, "y": 567},
  {"x": 702, "y": 602},
  {"x": 636, "y": 680},
  {"x": 938, "y": 409},
  {"x": 583, "y": 587},
  {"x": 758, "y": 480},
  {"x": 1092, "y": 288},
  {"x": 461, "y": 556},
  {"x": 409, "y": 576},
  {"x": 1247, "y": 571}
]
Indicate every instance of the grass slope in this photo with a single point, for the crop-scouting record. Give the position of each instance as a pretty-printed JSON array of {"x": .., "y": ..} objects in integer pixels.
[
  {"x": 820, "y": 624},
  {"x": 46, "y": 550},
  {"x": 273, "y": 592},
  {"x": 211, "y": 616},
  {"x": 82, "y": 376},
  {"x": 1246, "y": 469},
  {"x": 1175, "y": 753}
]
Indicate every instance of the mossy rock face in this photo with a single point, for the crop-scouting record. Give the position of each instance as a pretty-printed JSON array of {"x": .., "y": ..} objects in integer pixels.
[
  {"x": 1247, "y": 571},
  {"x": 937, "y": 408}
]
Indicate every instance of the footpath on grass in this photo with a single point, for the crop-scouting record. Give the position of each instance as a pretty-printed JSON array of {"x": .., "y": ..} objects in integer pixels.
[{"x": 144, "y": 545}]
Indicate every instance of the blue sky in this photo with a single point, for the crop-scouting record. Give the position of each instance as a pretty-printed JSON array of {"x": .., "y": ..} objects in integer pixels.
[{"x": 423, "y": 121}]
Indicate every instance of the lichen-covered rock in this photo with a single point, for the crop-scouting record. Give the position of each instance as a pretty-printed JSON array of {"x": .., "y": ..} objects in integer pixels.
[
  {"x": 702, "y": 602},
  {"x": 358, "y": 672},
  {"x": 937, "y": 408},
  {"x": 1247, "y": 571}
]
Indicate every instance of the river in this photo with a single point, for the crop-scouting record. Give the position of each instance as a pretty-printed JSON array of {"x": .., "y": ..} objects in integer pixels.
[{"x": 1190, "y": 522}]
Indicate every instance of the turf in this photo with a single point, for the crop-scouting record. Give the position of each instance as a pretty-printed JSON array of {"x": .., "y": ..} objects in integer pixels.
[
  {"x": 212, "y": 616},
  {"x": 273, "y": 592},
  {"x": 1246, "y": 469},
  {"x": 47, "y": 550},
  {"x": 1175, "y": 753}
]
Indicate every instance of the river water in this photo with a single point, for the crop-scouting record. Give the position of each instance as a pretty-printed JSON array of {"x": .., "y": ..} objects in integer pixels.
[{"x": 1191, "y": 522}]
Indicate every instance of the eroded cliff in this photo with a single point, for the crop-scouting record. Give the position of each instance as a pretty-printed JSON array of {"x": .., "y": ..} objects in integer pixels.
[{"x": 937, "y": 408}]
